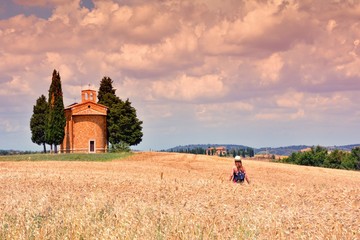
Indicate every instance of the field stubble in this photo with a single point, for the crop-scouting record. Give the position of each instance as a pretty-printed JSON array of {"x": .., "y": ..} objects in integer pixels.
[{"x": 176, "y": 196}]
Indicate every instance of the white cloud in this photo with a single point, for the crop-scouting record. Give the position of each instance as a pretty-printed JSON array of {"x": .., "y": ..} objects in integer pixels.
[
  {"x": 331, "y": 25},
  {"x": 290, "y": 99},
  {"x": 266, "y": 60},
  {"x": 268, "y": 116},
  {"x": 299, "y": 114},
  {"x": 188, "y": 88},
  {"x": 100, "y": 15},
  {"x": 280, "y": 116},
  {"x": 15, "y": 87},
  {"x": 8, "y": 126},
  {"x": 220, "y": 114},
  {"x": 332, "y": 102},
  {"x": 270, "y": 69}
]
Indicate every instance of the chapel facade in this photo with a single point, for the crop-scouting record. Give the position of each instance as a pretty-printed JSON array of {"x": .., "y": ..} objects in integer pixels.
[{"x": 85, "y": 130}]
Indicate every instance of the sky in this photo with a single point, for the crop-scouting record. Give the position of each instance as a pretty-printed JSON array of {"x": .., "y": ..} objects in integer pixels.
[{"x": 260, "y": 73}]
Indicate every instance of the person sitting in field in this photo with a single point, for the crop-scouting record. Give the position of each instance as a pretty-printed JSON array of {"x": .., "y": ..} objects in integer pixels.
[{"x": 239, "y": 173}]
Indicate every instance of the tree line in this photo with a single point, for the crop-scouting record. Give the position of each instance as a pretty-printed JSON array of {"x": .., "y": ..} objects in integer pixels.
[
  {"x": 321, "y": 157},
  {"x": 244, "y": 152},
  {"x": 47, "y": 123}
]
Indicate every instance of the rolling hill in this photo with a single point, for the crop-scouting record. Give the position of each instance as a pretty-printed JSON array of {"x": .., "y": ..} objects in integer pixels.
[{"x": 285, "y": 151}]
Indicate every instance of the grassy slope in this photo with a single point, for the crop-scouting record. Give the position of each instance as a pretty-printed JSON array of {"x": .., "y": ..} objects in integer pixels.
[{"x": 102, "y": 157}]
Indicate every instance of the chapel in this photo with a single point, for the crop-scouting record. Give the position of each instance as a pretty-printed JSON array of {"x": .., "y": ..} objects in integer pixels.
[{"x": 85, "y": 130}]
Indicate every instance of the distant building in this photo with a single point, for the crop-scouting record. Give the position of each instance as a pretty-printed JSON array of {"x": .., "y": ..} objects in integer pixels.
[
  {"x": 306, "y": 149},
  {"x": 85, "y": 130},
  {"x": 219, "y": 151}
]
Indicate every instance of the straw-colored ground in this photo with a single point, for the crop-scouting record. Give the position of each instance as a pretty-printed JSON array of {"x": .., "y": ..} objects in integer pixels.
[{"x": 176, "y": 196}]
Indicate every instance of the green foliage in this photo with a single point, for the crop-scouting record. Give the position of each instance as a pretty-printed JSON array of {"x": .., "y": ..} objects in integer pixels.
[
  {"x": 120, "y": 147},
  {"x": 334, "y": 159},
  {"x": 105, "y": 87},
  {"x": 355, "y": 154},
  {"x": 123, "y": 126},
  {"x": 38, "y": 121},
  {"x": 352, "y": 161},
  {"x": 250, "y": 152},
  {"x": 134, "y": 127},
  {"x": 320, "y": 156},
  {"x": 197, "y": 150},
  {"x": 56, "y": 121}
]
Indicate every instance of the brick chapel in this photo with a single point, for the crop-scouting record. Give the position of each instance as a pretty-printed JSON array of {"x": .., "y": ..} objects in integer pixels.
[{"x": 85, "y": 130}]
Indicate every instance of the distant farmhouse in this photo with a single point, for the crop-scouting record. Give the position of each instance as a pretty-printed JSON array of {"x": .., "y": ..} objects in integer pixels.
[
  {"x": 219, "y": 151},
  {"x": 85, "y": 130},
  {"x": 308, "y": 149}
]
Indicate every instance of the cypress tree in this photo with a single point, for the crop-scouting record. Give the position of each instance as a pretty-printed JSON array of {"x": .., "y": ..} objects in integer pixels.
[
  {"x": 56, "y": 121},
  {"x": 38, "y": 122},
  {"x": 123, "y": 126},
  {"x": 107, "y": 97},
  {"x": 105, "y": 88},
  {"x": 131, "y": 125}
]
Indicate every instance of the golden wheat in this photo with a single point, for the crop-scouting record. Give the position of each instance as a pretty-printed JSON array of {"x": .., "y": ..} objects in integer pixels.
[{"x": 176, "y": 196}]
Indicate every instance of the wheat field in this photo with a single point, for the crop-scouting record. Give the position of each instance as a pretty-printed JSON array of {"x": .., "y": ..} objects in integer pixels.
[{"x": 176, "y": 196}]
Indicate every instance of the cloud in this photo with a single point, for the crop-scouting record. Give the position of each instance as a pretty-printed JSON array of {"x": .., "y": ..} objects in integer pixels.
[
  {"x": 331, "y": 25},
  {"x": 14, "y": 87},
  {"x": 270, "y": 69},
  {"x": 290, "y": 99},
  {"x": 261, "y": 61},
  {"x": 335, "y": 101},
  {"x": 188, "y": 88},
  {"x": 41, "y": 3},
  {"x": 7, "y": 126},
  {"x": 280, "y": 116},
  {"x": 246, "y": 35},
  {"x": 217, "y": 114}
]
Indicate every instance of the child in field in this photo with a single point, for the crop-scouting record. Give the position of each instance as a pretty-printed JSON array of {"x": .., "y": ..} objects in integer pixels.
[{"x": 239, "y": 173}]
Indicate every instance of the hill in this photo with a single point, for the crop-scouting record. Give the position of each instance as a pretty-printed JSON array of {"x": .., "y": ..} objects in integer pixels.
[
  {"x": 284, "y": 151},
  {"x": 204, "y": 146},
  {"x": 176, "y": 196}
]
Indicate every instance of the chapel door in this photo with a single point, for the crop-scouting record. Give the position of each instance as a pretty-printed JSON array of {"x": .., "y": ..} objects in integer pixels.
[{"x": 92, "y": 146}]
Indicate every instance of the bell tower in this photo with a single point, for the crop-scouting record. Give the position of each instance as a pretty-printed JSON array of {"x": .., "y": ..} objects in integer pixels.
[{"x": 88, "y": 96}]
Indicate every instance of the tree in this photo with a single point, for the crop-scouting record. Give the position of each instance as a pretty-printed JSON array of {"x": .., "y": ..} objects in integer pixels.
[
  {"x": 352, "y": 160},
  {"x": 38, "y": 122},
  {"x": 355, "y": 153},
  {"x": 123, "y": 126},
  {"x": 319, "y": 155},
  {"x": 334, "y": 159},
  {"x": 234, "y": 153},
  {"x": 56, "y": 121},
  {"x": 131, "y": 125},
  {"x": 250, "y": 152},
  {"x": 105, "y": 87}
]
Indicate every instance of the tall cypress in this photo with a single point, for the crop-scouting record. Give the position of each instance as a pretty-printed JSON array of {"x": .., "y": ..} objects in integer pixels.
[
  {"x": 123, "y": 126},
  {"x": 106, "y": 87},
  {"x": 55, "y": 130},
  {"x": 107, "y": 97},
  {"x": 38, "y": 122},
  {"x": 131, "y": 125}
]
